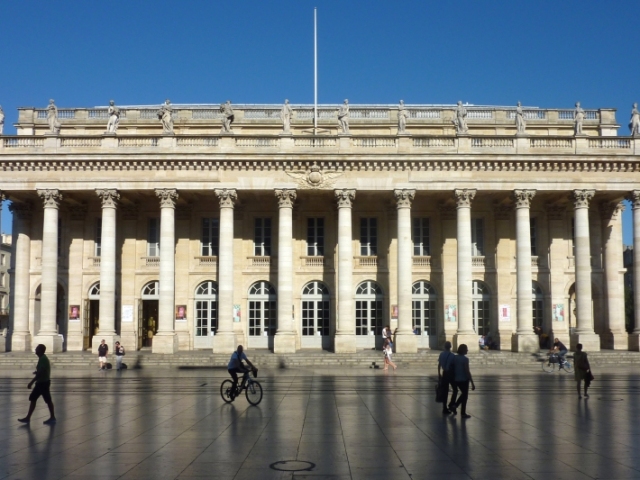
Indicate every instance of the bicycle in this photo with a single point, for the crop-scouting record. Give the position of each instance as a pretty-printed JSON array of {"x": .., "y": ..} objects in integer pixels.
[
  {"x": 251, "y": 387},
  {"x": 554, "y": 362}
]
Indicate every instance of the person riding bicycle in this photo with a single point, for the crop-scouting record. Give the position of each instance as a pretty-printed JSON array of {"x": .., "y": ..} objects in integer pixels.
[
  {"x": 559, "y": 349},
  {"x": 236, "y": 366}
]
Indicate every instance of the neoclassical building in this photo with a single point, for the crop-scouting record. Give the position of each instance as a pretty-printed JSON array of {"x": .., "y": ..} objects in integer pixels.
[{"x": 184, "y": 227}]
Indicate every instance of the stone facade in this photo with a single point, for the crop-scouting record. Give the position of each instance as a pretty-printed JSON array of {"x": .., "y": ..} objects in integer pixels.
[{"x": 280, "y": 238}]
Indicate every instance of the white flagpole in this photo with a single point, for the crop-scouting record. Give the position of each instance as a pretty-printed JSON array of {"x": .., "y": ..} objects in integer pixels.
[{"x": 315, "y": 72}]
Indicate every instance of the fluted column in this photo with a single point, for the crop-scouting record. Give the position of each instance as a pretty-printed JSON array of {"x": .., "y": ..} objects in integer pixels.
[
  {"x": 285, "y": 341},
  {"x": 465, "y": 333},
  {"x": 224, "y": 340},
  {"x": 345, "y": 341},
  {"x": 48, "y": 334},
  {"x": 524, "y": 340},
  {"x": 584, "y": 332},
  {"x": 166, "y": 340},
  {"x": 21, "y": 263},
  {"x": 634, "y": 337},
  {"x": 615, "y": 337},
  {"x": 109, "y": 198},
  {"x": 406, "y": 341}
]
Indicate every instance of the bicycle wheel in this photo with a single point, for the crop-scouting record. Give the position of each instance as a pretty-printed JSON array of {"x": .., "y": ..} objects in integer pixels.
[
  {"x": 547, "y": 366},
  {"x": 225, "y": 391},
  {"x": 254, "y": 393},
  {"x": 567, "y": 367}
]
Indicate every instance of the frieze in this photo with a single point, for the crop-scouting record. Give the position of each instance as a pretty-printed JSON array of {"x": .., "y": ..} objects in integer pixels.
[{"x": 314, "y": 177}]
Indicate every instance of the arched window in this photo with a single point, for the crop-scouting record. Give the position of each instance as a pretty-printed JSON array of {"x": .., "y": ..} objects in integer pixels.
[
  {"x": 480, "y": 299},
  {"x": 262, "y": 310},
  {"x": 369, "y": 309},
  {"x": 151, "y": 291},
  {"x": 206, "y": 309},
  {"x": 424, "y": 308},
  {"x": 537, "y": 304},
  {"x": 94, "y": 291},
  {"x": 315, "y": 309}
]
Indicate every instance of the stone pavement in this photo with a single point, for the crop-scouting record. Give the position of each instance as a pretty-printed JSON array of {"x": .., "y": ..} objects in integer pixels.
[{"x": 347, "y": 423}]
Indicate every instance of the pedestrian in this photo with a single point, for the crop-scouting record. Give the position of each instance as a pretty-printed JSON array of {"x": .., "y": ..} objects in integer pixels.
[
  {"x": 445, "y": 377},
  {"x": 462, "y": 377},
  {"x": 582, "y": 370},
  {"x": 103, "y": 349},
  {"x": 42, "y": 380},
  {"x": 388, "y": 352},
  {"x": 386, "y": 335},
  {"x": 119, "y": 355}
]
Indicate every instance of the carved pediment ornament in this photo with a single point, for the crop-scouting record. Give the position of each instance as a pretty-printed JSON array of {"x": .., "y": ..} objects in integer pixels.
[
  {"x": 286, "y": 197},
  {"x": 314, "y": 177},
  {"x": 523, "y": 198},
  {"x": 581, "y": 198},
  {"x": 168, "y": 197},
  {"x": 345, "y": 197},
  {"x": 227, "y": 197},
  {"x": 464, "y": 196},
  {"x": 404, "y": 197},
  {"x": 109, "y": 197},
  {"x": 51, "y": 198}
]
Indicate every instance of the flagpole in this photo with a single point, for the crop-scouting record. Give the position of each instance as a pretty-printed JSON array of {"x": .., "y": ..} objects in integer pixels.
[{"x": 315, "y": 72}]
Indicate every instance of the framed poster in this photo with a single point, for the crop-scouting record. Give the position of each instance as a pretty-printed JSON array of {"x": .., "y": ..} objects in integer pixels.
[
  {"x": 451, "y": 312},
  {"x": 74, "y": 312},
  {"x": 181, "y": 312},
  {"x": 127, "y": 313},
  {"x": 558, "y": 312},
  {"x": 394, "y": 312},
  {"x": 236, "y": 313},
  {"x": 505, "y": 313}
]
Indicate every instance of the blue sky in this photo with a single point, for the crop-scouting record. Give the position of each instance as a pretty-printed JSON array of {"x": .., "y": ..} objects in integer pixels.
[{"x": 543, "y": 53}]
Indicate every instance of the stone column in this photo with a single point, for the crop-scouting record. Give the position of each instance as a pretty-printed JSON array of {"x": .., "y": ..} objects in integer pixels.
[
  {"x": 285, "y": 341},
  {"x": 465, "y": 333},
  {"x": 224, "y": 340},
  {"x": 48, "y": 334},
  {"x": 21, "y": 260},
  {"x": 524, "y": 340},
  {"x": 615, "y": 337},
  {"x": 584, "y": 332},
  {"x": 406, "y": 341},
  {"x": 634, "y": 337},
  {"x": 109, "y": 198},
  {"x": 345, "y": 341},
  {"x": 166, "y": 340}
]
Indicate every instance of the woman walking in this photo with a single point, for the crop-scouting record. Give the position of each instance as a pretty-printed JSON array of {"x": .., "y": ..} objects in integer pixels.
[
  {"x": 386, "y": 348},
  {"x": 462, "y": 378},
  {"x": 582, "y": 370}
]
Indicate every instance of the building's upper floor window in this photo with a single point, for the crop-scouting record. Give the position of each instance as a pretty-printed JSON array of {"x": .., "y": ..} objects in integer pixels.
[
  {"x": 534, "y": 236},
  {"x": 262, "y": 237},
  {"x": 3, "y": 259},
  {"x": 3, "y": 279},
  {"x": 315, "y": 237},
  {"x": 153, "y": 238},
  {"x": 421, "y": 243},
  {"x": 98, "y": 236},
  {"x": 368, "y": 236},
  {"x": 210, "y": 237},
  {"x": 477, "y": 237}
]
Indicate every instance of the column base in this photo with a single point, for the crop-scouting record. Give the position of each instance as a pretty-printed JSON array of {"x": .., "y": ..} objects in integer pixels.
[
  {"x": 225, "y": 343},
  {"x": 344, "y": 344},
  {"x": 525, "y": 343},
  {"x": 284, "y": 343},
  {"x": 52, "y": 342},
  {"x": 406, "y": 343},
  {"x": 614, "y": 341},
  {"x": 165, "y": 343},
  {"x": 634, "y": 342},
  {"x": 21, "y": 342},
  {"x": 129, "y": 341},
  {"x": 468, "y": 339},
  {"x": 109, "y": 339},
  {"x": 590, "y": 341}
]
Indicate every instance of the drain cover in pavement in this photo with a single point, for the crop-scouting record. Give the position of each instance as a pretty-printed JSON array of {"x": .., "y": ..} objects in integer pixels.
[{"x": 292, "y": 465}]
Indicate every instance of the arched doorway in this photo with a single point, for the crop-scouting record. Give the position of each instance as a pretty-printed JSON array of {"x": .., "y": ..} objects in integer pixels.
[
  {"x": 424, "y": 310},
  {"x": 537, "y": 297},
  {"x": 262, "y": 315},
  {"x": 315, "y": 316},
  {"x": 206, "y": 314},
  {"x": 480, "y": 301},
  {"x": 91, "y": 318},
  {"x": 148, "y": 314},
  {"x": 369, "y": 317}
]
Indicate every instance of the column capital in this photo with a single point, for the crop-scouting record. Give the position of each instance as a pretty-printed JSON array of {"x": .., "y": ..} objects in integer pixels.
[
  {"x": 22, "y": 210},
  {"x": 523, "y": 198},
  {"x": 109, "y": 197},
  {"x": 50, "y": 197},
  {"x": 634, "y": 198},
  {"x": 168, "y": 197},
  {"x": 345, "y": 197},
  {"x": 227, "y": 197},
  {"x": 464, "y": 196},
  {"x": 404, "y": 197},
  {"x": 286, "y": 197},
  {"x": 581, "y": 198},
  {"x": 611, "y": 210}
]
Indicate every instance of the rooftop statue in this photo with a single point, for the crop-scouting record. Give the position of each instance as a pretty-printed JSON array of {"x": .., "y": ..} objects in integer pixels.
[
  {"x": 227, "y": 117},
  {"x": 578, "y": 118},
  {"x": 402, "y": 118},
  {"x": 164, "y": 114},
  {"x": 1, "y": 120},
  {"x": 343, "y": 117},
  {"x": 460, "y": 120},
  {"x": 113, "y": 113},
  {"x": 521, "y": 125},
  {"x": 286, "y": 114},
  {"x": 52, "y": 118},
  {"x": 634, "y": 123}
]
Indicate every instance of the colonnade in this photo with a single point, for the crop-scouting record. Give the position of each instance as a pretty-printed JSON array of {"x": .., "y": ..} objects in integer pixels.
[{"x": 166, "y": 340}]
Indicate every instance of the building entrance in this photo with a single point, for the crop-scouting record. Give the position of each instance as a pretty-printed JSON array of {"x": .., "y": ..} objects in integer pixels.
[
  {"x": 315, "y": 316},
  {"x": 262, "y": 315},
  {"x": 148, "y": 314},
  {"x": 369, "y": 315}
]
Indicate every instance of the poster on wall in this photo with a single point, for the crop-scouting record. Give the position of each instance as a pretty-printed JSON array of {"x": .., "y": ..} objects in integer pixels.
[
  {"x": 394, "y": 312},
  {"x": 451, "y": 312},
  {"x": 127, "y": 313},
  {"x": 181, "y": 312},
  {"x": 74, "y": 312},
  {"x": 558, "y": 312},
  {"x": 505, "y": 313},
  {"x": 236, "y": 313}
]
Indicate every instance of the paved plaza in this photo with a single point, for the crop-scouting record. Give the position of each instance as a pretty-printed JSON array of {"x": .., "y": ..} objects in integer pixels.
[{"x": 337, "y": 424}]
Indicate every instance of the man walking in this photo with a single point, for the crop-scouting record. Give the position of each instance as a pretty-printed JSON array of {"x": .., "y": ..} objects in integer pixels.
[
  {"x": 103, "y": 348},
  {"x": 43, "y": 382},
  {"x": 445, "y": 377}
]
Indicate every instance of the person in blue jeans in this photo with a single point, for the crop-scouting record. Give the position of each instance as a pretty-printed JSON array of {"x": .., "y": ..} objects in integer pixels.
[
  {"x": 462, "y": 377},
  {"x": 561, "y": 350},
  {"x": 236, "y": 366},
  {"x": 445, "y": 375}
]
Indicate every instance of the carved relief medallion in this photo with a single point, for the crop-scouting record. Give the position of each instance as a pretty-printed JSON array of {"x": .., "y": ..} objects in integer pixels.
[{"x": 314, "y": 177}]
